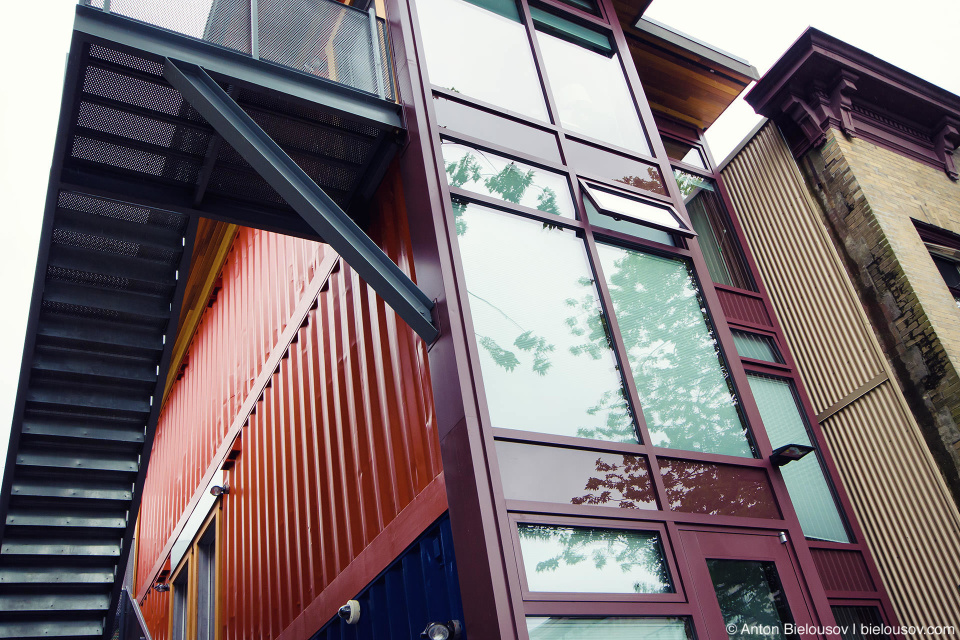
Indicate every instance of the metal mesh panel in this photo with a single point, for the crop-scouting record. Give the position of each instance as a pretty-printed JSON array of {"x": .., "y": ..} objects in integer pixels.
[
  {"x": 321, "y": 37},
  {"x": 120, "y": 210},
  {"x": 386, "y": 60},
  {"x": 299, "y": 34}
]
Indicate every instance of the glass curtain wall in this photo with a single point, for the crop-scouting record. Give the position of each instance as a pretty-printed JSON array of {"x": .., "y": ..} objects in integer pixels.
[{"x": 604, "y": 383}]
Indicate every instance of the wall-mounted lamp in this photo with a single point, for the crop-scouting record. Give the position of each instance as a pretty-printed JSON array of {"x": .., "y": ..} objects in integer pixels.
[
  {"x": 449, "y": 630},
  {"x": 789, "y": 453},
  {"x": 161, "y": 587},
  {"x": 219, "y": 490}
]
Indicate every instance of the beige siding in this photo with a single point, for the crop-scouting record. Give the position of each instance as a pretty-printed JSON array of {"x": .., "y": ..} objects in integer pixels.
[{"x": 910, "y": 521}]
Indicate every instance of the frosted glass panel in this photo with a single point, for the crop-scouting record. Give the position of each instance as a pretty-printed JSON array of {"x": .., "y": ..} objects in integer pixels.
[
  {"x": 683, "y": 386},
  {"x": 752, "y": 345},
  {"x": 561, "y": 628},
  {"x": 805, "y": 479},
  {"x": 590, "y": 560},
  {"x": 544, "y": 349}
]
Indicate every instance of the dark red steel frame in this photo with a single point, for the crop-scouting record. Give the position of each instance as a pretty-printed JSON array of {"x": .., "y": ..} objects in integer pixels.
[{"x": 482, "y": 524}]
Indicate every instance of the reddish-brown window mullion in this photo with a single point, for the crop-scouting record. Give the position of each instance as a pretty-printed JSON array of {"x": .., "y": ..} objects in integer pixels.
[{"x": 620, "y": 352}]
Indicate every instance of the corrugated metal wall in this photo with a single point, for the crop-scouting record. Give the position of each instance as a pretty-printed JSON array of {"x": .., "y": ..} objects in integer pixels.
[
  {"x": 419, "y": 588},
  {"x": 911, "y": 524},
  {"x": 342, "y": 438}
]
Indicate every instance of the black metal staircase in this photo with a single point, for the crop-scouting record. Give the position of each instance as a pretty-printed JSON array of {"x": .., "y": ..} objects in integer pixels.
[{"x": 135, "y": 166}]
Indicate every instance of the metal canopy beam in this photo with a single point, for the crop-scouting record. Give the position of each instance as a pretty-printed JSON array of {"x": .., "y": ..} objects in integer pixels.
[{"x": 303, "y": 195}]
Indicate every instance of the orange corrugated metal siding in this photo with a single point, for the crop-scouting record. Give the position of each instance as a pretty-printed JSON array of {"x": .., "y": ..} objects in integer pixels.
[
  {"x": 342, "y": 440},
  {"x": 911, "y": 524}
]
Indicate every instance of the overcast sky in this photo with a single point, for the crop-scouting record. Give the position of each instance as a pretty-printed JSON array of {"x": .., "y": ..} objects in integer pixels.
[{"x": 920, "y": 38}]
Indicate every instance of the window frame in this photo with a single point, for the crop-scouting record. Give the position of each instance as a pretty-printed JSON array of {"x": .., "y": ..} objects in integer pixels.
[
  {"x": 634, "y": 524},
  {"x": 190, "y": 563}
]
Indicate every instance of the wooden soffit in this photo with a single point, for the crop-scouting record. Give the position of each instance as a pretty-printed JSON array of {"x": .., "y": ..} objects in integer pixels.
[{"x": 683, "y": 78}]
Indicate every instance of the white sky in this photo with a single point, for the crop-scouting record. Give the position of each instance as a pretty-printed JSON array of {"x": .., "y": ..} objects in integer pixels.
[{"x": 920, "y": 38}]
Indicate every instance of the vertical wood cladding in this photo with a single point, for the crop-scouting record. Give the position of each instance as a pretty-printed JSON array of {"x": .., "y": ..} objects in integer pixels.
[
  {"x": 342, "y": 439},
  {"x": 911, "y": 524}
]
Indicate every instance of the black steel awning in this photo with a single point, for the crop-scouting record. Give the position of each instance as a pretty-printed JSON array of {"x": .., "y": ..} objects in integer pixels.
[{"x": 158, "y": 129}]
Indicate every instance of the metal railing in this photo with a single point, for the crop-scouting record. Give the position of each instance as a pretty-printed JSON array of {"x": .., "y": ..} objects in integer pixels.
[
  {"x": 323, "y": 38},
  {"x": 129, "y": 622}
]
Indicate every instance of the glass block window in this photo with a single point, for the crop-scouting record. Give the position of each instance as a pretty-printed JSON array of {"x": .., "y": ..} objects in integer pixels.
[
  {"x": 684, "y": 387},
  {"x": 593, "y": 560},
  {"x": 805, "y": 478}
]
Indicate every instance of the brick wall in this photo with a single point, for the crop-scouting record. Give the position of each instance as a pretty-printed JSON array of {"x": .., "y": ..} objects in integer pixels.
[{"x": 870, "y": 196}]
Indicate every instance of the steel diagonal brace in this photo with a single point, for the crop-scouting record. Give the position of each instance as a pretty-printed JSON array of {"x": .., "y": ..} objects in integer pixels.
[{"x": 304, "y": 195}]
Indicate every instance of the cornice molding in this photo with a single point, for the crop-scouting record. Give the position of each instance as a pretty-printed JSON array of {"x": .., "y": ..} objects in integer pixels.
[{"x": 822, "y": 83}]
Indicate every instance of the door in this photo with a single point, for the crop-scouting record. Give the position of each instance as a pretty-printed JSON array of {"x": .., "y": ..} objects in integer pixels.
[{"x": 746, "y": 586}]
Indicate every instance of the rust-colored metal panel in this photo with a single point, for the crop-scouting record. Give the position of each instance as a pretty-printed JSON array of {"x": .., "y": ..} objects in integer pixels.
[
  {"x": 340, "y": 441},
  {"x": 842, "y": 570},
  {"x": 742, "y": 307},
  {"x": 909, "y": 520}
]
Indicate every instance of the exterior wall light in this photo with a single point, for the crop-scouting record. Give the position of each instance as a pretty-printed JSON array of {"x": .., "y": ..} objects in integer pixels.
[
  {"x": 450, "y": 630},
  {"x": 161, "y": 587},
  {"x": 789, "y": 453},
  {"x": 219, "y": 490}
]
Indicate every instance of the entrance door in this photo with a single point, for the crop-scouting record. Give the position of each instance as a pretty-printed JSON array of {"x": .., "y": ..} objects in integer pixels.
[{"x": 746, "y": 586}]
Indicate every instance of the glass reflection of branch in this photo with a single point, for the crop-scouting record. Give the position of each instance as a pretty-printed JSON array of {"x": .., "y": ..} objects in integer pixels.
[
  {"x": 594, "y": 560},
  {"x": 653, "y": 182},
  {"x": 625, "y": 485},
  {"x": 712, "y": 489}
]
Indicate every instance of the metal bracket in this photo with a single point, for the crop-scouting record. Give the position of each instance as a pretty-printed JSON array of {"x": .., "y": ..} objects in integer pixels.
[{"x": 303, "y": 195}]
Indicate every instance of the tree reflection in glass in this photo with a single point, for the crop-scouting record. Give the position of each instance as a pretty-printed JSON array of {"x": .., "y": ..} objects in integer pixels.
[
  {"x": 683, "y": 385},
  {"x": 751, "y": 599},
  {"x": 489, "y": 174},
  {"x": 717, "y": 489},
  {"x": 574, "y": 476},
  {"x": 594, "y": 560},
  {"x": 545, "y": 353}
]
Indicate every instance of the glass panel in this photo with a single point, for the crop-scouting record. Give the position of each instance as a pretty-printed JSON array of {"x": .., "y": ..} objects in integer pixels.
[
  {"x": 544, "y": 348},
  {"x": 720, "y": 247},
  {"x": 683, "y": 152},
  {"x": 591, "y": 93},
  {"x": 492, "y": 175},
  {"x": 572, "y": 31},
  {"x": 805, "y": 479},
  {"x": 574, "y": 476},
  {"x": 481, "y": 53},
  {"x": 859, "y": 623},
  {"x": 684, "y": 388},
  {"x": 601, "y": 219},
  {"x": 207, "y": 585},
  {"x": 562, "y": 628},
  {"x": 586, "y": 5},
  {"x": 718, "y": 489},
  {"x": 589, "y": 160},
  {"x": 751, "y": 599},
  {"x": 640, "y": 210},
  {"x": 752, "y": 345},
  {"x": 591, "y": 560},
  {"x": 495, "y": 129},
  {"x": 181, "y": 596}
]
